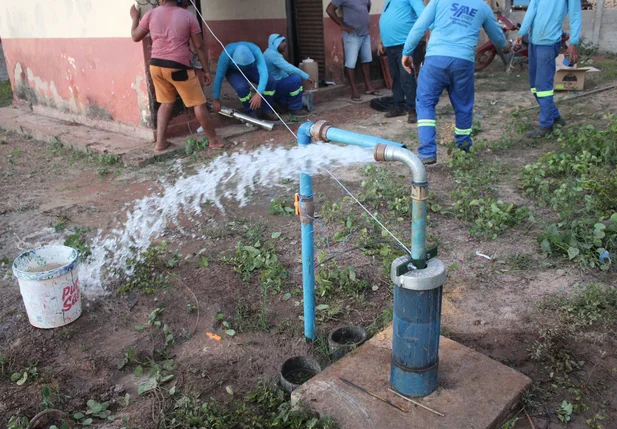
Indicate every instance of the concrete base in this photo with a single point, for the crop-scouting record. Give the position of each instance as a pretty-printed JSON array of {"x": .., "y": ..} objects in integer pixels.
[
  {"x": 131, "y": 150},
  {"x": 474, "y": 392}
]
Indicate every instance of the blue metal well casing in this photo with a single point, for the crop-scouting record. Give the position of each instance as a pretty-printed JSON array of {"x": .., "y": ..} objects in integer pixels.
[
  {"x": 416, "y": 327},
  {"x": 415, "y": 341}
]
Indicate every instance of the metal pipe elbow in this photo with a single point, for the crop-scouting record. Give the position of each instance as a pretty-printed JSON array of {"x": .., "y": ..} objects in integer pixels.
[{"x": 387, "y": 153}]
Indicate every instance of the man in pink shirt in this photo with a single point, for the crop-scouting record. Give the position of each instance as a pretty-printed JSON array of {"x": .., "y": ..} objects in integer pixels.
[{"x": 171, "y": 28}]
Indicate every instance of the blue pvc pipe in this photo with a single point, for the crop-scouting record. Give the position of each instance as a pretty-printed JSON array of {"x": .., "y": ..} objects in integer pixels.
[
  {"x": 308, "y": 261},
  {"x": 308, "y": 245},
  {"x": 357, "y": 139}
]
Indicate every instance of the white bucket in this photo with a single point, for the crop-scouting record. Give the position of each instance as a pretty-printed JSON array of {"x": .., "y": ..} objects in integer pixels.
[{"x": 49, "y": 285}]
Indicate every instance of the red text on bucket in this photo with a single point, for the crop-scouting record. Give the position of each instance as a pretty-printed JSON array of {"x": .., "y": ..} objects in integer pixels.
[{"x": 70, "y": 296}]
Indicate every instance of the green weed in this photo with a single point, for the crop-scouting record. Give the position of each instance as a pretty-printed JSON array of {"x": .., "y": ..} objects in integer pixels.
[
  {"x": 262, "y": 258},
  {"x": 279, "y": 207},
  {"x": 108, "y": 159},
  {"x": 6, "y": 94},
  {"x": 25, "y": 375},
  {"x": 78, "y": 241},
  {"x": 474, "y": 201},
  {"x": 381, "y": 190},
  {"x": 331, "y": 279},
  {"x": 267, "y": 407},
  {"x": 18, "y": 423},
  {"x": 588, "y": 305},
  {"x": 194, "y": 145},
  {"x": 148, "y": 271}
]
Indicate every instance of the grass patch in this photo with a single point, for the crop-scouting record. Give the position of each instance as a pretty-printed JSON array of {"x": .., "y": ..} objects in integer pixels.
[
  {"x": 578, "y": 182},
  {"x": 475, "y": 199},
  {"x": 267, "y": 407},
  {"x": 148, "y": 271},
  {"x": 6, "y": 94}
]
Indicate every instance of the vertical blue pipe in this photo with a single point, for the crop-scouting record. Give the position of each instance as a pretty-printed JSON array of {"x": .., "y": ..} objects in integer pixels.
[
  {"x": 308, "y": 246},
  {"x": 308, "y": 263}
]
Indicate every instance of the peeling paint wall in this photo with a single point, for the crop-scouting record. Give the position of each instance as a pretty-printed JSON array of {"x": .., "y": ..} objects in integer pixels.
[
  {"x": 76, "y": 56},
  {"x": 4, "y": 75},
  {"x": 335, "y": 56}
]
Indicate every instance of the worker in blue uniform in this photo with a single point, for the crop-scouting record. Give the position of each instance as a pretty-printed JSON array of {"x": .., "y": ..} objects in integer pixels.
[
  {"x": 449, "y": 64},
  {"x": 397, "y": 20},
  {"x": 289, "y": 89},
  {"x": 248, "y": 61},
  {"x": 543, "y": 22}
]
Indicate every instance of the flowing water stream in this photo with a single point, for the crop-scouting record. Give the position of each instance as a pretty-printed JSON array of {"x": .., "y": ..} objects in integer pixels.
[{"x": 231, "y": 178}]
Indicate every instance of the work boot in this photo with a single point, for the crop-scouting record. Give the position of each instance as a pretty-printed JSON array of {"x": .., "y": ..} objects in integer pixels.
[
  {"x": 429, "y": 161},
  {"x": 412, "y": 117},
  {"x": 397, "y": 111},
  {"x": 268, "y": 116},
  {"x": 559, "y": 121},
  {"x": 300, "y": 113},
  {"x": 307, "y": 100},
  {"x": 539, "y": 132}
]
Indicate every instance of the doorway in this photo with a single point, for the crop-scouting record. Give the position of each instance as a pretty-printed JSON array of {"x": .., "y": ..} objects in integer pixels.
[{"x": 305, "y": 32}]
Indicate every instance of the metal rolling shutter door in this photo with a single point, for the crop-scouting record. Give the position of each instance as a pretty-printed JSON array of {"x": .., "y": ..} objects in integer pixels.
[{"x": 310, "y": 31}]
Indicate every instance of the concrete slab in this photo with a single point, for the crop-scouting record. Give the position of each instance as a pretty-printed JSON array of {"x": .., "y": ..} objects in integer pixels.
[
  {"x": 474, "y": 392},
  {"x": 132, "y": 150}
]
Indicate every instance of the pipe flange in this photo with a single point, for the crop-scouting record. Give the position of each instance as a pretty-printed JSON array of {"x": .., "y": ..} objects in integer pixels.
[
  {"x": 320, "y": 129},
  {"x": 431, "y": 277},
  {"x": 380, "y": 152}
]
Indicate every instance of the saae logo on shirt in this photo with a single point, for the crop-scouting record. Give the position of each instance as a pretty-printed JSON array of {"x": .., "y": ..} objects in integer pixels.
[{"x": 460, "y": 10}]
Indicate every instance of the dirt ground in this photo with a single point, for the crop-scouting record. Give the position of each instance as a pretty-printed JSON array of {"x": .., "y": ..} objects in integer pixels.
[{"x": 487, "y": 306}]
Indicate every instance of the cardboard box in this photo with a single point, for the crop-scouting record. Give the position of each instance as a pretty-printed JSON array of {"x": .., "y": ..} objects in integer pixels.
[{"x": 570, "y": 78}]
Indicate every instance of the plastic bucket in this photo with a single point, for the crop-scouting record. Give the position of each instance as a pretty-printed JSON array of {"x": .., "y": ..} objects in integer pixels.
[{"x": 49, "y": 285}]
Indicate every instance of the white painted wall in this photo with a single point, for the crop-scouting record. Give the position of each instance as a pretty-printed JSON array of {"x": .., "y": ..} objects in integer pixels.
[
  {"x": 608, "y": 28},
  {"x": 27, "y": 19}
]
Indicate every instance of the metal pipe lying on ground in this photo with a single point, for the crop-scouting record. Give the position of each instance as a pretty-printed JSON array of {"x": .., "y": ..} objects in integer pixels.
[
  {"x": 242, "y": 117},
  {"x": 247, "y": 119}
]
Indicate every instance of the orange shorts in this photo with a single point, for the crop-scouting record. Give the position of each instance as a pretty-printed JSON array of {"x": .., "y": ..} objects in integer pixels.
[{"x": 166, "y": 88}]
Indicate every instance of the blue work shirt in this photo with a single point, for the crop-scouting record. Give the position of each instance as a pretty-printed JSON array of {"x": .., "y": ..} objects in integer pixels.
[
  {"x": 455, "y": 27},
  {"x": 278, "y": 67},
  {"x": 544, "y": 19},
  {"x": 225, "y": 63},
  {"x": 397, "y": 20}
]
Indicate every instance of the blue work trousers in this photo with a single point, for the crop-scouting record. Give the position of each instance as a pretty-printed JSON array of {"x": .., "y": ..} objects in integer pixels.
[
  {"x": 403, "y": 84},
  {"x": 289, "y": 92},
  {"x": 457, "y": 77},
  {"x": 541, "y": 80},
  {"x": 243, "y": 88}
]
